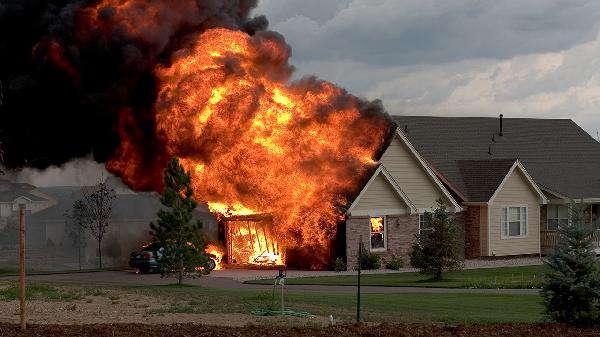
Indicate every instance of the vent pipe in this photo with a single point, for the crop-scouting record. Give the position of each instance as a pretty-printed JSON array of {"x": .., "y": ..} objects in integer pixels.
[{"x": 501, "y": 131}]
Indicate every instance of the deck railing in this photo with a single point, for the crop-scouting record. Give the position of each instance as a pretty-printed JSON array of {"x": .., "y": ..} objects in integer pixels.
[{"x": 549, "y": 239}]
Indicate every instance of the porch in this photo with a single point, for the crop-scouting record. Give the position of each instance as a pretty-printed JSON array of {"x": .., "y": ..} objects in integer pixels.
[{"x": 554, "y": 215}]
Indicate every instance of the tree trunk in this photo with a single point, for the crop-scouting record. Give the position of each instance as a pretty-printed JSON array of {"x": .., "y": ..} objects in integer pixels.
[
  {"x": 100, "y": 252},
  {"x": 180, "y": 276}
]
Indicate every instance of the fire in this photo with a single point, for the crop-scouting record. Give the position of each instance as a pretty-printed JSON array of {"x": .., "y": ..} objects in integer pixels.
[
  {"x": 217, "y": 252},
  {"x": 377, "y": 224},
  {"x": 256, "y": 143},
  {"x": 251, "y": 241}
]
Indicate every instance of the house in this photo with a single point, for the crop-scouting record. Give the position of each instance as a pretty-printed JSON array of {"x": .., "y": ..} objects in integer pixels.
[
  {"x": 52, "y": 237},
  {"x": 508, "y": 180},
  {"x": 14, "y": 194}
]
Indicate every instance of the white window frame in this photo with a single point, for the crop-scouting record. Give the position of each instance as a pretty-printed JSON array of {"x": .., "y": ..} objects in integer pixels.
[
  {"x": 385, "y": 237},
  {"x": 548, "y": 218},
  {"x": 421, "y": 221},
  {"x": 505, "y": 223}
]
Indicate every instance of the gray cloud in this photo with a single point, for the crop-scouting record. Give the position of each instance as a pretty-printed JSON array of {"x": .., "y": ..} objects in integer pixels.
[
  {"x": 431, "y": 31},
  {"x": 535, "y": 58}
]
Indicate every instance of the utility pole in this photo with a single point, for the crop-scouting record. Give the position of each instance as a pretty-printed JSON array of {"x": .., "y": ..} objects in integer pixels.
[
  {"x": 358, "y": 281},
  {"x": 22, "y": 265}
]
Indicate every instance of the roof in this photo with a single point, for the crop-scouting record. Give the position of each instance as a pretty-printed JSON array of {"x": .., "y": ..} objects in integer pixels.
[
  {"x": 10, "y": 191},
  {"x": 481, "y": 178},
  {"x": 559, "y": 155}
]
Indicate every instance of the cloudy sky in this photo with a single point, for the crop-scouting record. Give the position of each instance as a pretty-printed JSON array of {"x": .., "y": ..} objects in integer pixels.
[{"x": 533, "y": 58}]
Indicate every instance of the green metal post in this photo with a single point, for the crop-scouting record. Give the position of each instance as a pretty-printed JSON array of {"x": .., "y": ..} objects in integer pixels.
[{"x": 358, "y": 282}]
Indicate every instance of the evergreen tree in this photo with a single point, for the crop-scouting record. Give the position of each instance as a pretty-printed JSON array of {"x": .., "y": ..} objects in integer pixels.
[
  {"x": 437, "y": 248},
  {"x": 571, "y": 289},
  {"x": 180, "y": 237}
]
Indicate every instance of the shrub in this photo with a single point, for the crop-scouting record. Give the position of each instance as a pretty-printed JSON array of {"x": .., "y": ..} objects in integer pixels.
[
  {"x": 339, "y": 265},
  {"x": 394, "y": 263},
  {"x": 571, "y": 287},
  {"x": 369, "y": 260},
  {"x": 438, "y": 249}
]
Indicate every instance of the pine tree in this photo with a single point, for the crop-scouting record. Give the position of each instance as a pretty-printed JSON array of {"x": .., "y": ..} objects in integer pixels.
[
  {"x": 437, "y": 249},
  {"x": 180, "y": 237},
  {"x": 571, "y": 287}
]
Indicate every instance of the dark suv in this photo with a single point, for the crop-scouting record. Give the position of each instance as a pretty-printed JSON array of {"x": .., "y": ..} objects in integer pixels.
[{"x": 146, "y": 259}]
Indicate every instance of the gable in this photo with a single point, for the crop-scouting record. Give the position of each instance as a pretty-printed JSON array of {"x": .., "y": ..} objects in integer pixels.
[
  {"x": 415, "y": 181},
  {"x": 381, "y": 198},
  {"x": 517, "y": 189}
]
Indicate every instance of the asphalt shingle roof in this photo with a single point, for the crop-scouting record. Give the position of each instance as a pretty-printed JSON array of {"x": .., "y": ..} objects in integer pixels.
[
  {"x": 481, "y": 178},
  {"x": 559, "y": 155}
]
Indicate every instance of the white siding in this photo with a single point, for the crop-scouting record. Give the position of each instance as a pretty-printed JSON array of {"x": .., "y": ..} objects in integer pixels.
[
  {"x": 380, "y": 195},
  {"x": 516, "y": 192},
  {"x": 412, "y": 178}
]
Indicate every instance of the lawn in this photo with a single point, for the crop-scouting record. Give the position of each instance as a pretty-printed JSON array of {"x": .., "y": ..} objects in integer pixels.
[
  {"x": 391, "y": 308},
  {"x": 488, "y": 278},
  {"x": 447, "y": 308}
]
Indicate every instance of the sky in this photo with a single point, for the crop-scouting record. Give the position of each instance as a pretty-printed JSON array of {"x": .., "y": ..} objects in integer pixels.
[{"x": 534, "y": 58}]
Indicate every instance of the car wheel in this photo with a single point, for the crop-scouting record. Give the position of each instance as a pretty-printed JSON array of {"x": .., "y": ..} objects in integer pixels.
[
  {"x": 144, "y": 270},
  {"x": 210, "y": 265}
]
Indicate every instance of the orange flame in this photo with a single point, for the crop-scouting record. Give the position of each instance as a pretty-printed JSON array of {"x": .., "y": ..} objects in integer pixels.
[
  {"x": 217, "y": 252},
  {"x": 377, "y": 224},
  {"x": 255, "y": 143}
]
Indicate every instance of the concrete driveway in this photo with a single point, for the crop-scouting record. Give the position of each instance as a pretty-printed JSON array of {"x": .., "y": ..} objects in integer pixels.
[{"x": 220, "y": 279}]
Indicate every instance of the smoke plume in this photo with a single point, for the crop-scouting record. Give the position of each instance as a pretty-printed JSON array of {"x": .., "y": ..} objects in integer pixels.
[{"x": 73, "y": 70}]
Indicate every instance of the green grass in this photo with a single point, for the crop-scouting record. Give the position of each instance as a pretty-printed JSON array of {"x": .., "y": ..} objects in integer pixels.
[
  {"x": 443, "y": 308},
  {"x": 485, "y": 278},
  {"x": 38, "y": 292}
]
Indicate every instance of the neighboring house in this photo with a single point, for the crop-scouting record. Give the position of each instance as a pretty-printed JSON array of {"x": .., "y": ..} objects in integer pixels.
[
  {"x": 14, "y": 194},
  {"x": 508, "y": 181},
  {"x": 50, "y": 247}
]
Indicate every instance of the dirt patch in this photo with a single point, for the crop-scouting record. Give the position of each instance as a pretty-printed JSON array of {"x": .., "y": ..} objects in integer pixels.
[
  {"x": 180, "y": 330},
  {"x": 101, "y": 306}
]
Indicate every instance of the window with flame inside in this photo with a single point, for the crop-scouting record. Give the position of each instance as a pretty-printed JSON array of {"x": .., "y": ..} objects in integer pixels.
[{"x": 377, "y": 232}]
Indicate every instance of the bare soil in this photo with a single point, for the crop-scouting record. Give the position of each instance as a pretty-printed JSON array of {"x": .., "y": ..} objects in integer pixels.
[
  {"x": 189, "y": 330},
  {"x": 122, "y": 307}
]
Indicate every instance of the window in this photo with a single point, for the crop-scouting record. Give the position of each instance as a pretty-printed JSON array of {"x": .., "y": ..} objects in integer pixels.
[
  {"x": 377, "y": 233},
  {"x": 558, "y": 215},
  {"x": 514, "y": 221},
  {"x": 424, "y": 222}
]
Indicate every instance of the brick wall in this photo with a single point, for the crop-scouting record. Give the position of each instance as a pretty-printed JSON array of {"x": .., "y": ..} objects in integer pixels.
[
  {"x": 471, "y": 219},
  {"x": 401, "y": 231}
]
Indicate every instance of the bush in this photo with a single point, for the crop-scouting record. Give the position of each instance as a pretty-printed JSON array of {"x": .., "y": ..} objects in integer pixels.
[
  {"x": 339, "y": 265},
  {"x": 438, "y": 249},
  {"x": 369, "y": 260},
  {"x": 571, "y": 287},
  {"x": 394, "y": 263}
]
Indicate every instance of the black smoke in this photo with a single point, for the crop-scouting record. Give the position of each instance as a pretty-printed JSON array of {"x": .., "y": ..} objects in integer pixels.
[{"x": 68, "y": 85}]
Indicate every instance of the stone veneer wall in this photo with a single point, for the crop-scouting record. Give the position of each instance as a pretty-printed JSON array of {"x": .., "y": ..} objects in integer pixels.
[{"x": 401, "y": 231}]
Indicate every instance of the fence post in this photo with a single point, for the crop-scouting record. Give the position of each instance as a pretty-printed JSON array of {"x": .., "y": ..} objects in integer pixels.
[
  {"x": 358, "y": 282},
  {"x": 22, "y": 266}
]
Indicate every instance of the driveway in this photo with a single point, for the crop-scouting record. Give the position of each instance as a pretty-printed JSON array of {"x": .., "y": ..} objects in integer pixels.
[{"x": 218, "y": 279}]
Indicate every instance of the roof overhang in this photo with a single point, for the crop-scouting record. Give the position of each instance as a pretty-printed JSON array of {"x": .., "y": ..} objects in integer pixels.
[
  {"x": 383, "y": 171},
  {"x": 519, "y": 166}
]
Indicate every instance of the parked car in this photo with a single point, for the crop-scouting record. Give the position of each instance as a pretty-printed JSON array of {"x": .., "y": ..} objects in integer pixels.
[{"x": 146, "y": 259}]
